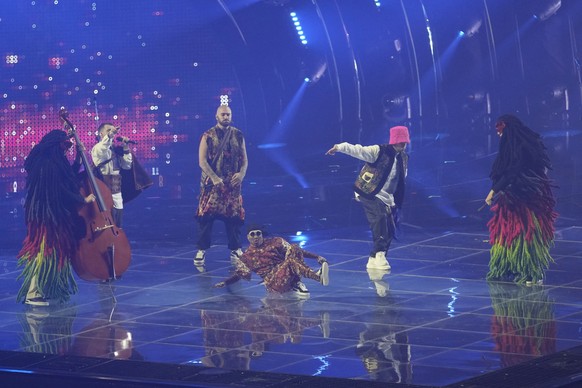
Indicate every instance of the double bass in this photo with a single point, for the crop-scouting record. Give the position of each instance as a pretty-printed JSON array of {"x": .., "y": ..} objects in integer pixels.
[{"x": 103, "y": 253}]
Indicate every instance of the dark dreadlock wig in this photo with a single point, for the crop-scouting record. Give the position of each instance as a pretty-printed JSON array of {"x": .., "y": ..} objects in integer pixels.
[
  {"x": 50, "y": 179},
  {"x": 522, "y": 155},
  {"x": 52, "y": 194}
]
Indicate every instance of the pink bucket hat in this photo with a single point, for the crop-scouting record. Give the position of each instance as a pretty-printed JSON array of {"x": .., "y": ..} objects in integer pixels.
[{"x": 399, "y": 134}]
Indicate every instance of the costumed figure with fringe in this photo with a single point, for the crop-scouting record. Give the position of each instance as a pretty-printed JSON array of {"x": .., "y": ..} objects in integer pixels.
[
  {"x": 522, "y": 228},
  {"x": 52, "y": 200}
]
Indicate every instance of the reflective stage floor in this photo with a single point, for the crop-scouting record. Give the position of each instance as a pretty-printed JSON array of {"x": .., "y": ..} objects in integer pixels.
[{"x": 432, "y": 321}]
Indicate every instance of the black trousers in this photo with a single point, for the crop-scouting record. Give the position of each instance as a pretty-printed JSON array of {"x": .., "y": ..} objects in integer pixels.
[
  {"x": 117, "y": 215},
  {"x": 233, "y": 228},
  {"x": 381, "y": 223}
]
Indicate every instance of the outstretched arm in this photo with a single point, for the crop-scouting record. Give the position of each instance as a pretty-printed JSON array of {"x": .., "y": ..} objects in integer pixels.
[
  {"x": 365, "y": 153},
  {"x": 227, "y": 282},
  {"x": 311, "y": 255}
]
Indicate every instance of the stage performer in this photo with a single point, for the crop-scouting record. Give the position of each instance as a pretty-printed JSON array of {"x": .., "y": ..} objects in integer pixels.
[
  {"x": 522, "y": 228},
  {"x": 380, "y": 188},
  {"x": 222, "y": 156},
  {"x": 279, "y": 263},
  {"x": 109, "y": 160},
  {"x": 52, "y": 199}
]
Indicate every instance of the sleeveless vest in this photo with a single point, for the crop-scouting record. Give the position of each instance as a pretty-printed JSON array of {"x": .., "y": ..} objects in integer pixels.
[{"x": 373, "y": 176}]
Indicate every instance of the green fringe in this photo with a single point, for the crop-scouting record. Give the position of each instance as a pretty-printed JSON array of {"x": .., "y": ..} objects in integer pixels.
[
  {"x": 524, "y": 306},
  {"x": 53, "y": 283},
  {"x": 526, "y": 261},
  {"x": 46, "y": 332}
]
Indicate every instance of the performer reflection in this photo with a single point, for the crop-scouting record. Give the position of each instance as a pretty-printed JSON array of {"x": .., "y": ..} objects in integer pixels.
[
  {"x": 104, "y": 337},
  {"x": 223, "y": 335},
  {"x": 277, "y": 321},
  {"x": 384, "y": 347},
  {"x": 523, "y": 325},
  {"x": 47, "y": 330},
  {"x": 380, "y": 284}
]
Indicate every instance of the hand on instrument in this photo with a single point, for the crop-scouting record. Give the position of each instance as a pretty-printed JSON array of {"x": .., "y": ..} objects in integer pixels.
[
  {"x": 332, "y": 150},
  {"x": 321, "y": 260},
  {"x": 90, "y": 198}
]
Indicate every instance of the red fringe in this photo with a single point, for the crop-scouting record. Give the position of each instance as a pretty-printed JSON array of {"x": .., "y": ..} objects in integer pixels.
[
  {"x": 512, "y": 218},
  {"x": 52, "y": 243}
]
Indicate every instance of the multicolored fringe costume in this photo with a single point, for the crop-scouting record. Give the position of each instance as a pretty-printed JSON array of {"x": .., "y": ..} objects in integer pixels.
[
  {"x": 522, "y": 228},
  {"x": 523, "y": 326},
  {"x": 51, "y": 219}
]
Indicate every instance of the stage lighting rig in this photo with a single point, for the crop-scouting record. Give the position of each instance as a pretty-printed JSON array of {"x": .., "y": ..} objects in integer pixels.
[
  {"x": 473, "y": 28},
  {"x": 548, "y": 10},
  {"x": 298, "y": 27}
]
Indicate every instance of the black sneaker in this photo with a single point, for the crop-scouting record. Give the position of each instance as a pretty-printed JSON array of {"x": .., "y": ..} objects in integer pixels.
[{"x": 300, "y": 290}]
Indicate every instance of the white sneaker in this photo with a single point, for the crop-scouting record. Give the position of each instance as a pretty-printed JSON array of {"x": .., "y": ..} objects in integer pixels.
[
  {"x": 199, "y": 259},
  {"x": 377, "y": 274},
  {"x": 378, "y": 262},
  {"x": 323, "y": 273},
  {"x": 300, "y": 290}
]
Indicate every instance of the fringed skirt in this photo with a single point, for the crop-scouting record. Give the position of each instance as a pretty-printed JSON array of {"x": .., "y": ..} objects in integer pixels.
[
  {"x": 521, "y": 236},
  {"x": 46, "y": 260}
]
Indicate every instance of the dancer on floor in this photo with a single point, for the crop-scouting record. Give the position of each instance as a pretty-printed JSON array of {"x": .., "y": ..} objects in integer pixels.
[
  {"x": 380, "y": 188},
  {"x": 522, "y": 228},
  {"x": 52, "y": 199},
  {"x": 279, "y": 263},
  {"x": 222, "y": 157}
]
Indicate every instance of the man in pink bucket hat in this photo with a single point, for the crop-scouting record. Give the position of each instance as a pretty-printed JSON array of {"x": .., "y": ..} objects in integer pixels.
[{"x": 380, "y": 188}]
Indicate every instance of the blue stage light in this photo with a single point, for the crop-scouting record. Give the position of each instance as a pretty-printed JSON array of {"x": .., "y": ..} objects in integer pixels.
[{"x": 298, "y": 27}]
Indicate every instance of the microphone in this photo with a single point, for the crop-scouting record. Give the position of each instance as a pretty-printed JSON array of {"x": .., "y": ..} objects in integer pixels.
[{"x": 119, "y": 138}]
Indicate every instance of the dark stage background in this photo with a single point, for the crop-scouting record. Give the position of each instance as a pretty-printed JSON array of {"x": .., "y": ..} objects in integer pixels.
[{"x": 446, "y": 68}]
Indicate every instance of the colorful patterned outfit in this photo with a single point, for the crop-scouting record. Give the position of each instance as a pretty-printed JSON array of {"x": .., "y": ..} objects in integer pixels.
[
  {"x": 522, "y": 228},
  {"x": 279, "y": 263},
  {"x": 51, "y": 218},
  {"x": 222, "y": 202}
]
